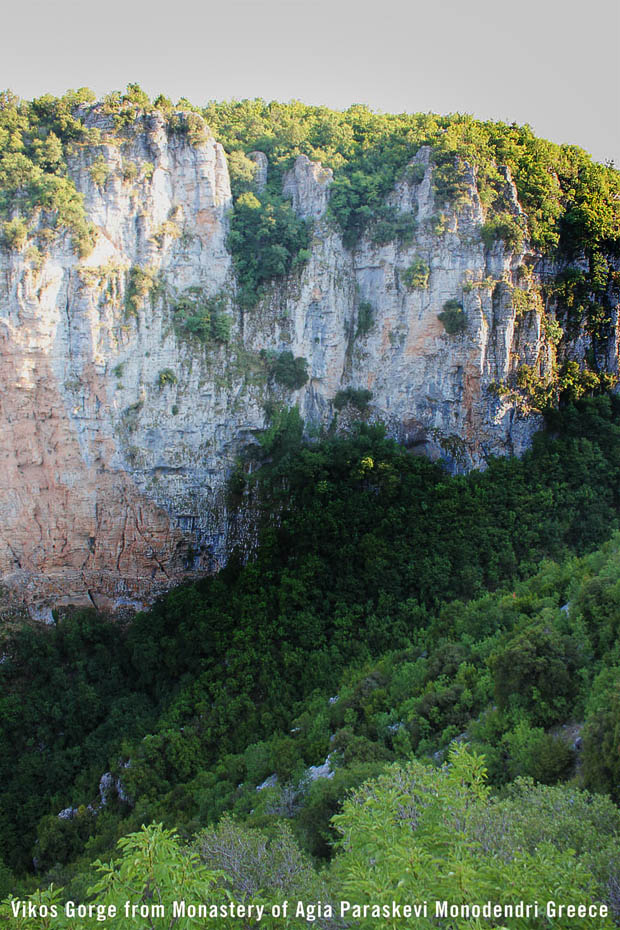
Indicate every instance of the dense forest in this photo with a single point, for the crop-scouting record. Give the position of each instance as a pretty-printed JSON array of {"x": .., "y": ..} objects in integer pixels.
[
  {"x": 390, "y": 613},
  {"x": 410, "y": 689}
]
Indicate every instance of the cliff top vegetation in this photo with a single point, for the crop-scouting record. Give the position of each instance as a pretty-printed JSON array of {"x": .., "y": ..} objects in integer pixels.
[{"x": 571, "y": 203}]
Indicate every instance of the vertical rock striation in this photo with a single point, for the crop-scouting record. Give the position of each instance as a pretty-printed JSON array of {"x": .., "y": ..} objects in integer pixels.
[{"x": 119, "y": 428}]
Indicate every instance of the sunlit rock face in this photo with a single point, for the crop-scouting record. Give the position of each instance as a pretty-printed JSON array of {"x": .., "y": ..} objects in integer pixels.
[{"x": 119, "y": 431}]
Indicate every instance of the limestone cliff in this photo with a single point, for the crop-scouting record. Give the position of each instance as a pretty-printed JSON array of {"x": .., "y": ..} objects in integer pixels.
[{"x": 120, "y": 428}]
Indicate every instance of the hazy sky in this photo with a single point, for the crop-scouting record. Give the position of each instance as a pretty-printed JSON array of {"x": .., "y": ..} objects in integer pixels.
[{"x": 551, "y": 63}]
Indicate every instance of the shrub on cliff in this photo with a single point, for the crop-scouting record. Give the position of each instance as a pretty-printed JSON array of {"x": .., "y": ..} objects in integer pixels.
[
  {"x": 453, "y": 317},
  {"x": 289, "y": 371},
  {"x": 416, "y": 276},
  {"x": 356, "y": 397},
  {"x": 391, "y": 226},
  {"x": 505, "y": 228},
  {"x": 166, "y": 377},
  {"x": 205, "y": 318},
  {"x": 365, "y": 318},
  {"x": 142, "y": 281},
  {"x": 15, "y": 234}
]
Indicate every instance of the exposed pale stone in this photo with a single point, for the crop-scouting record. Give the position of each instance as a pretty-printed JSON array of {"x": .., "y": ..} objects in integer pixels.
[
  {"x": 307, "y": 184},
  {"x": 113, "y": 486},
  {"x": 325, "y": 770},
  {"x": 269, "y": 782},
  {"x": 262, "y": 163}
]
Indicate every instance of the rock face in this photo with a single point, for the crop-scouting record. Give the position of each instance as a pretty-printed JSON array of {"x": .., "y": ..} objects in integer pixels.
[
  {"x": 86, "y": 429},
  {"x": 119, "y": 431},
  {"x": 307, "y": 184}
]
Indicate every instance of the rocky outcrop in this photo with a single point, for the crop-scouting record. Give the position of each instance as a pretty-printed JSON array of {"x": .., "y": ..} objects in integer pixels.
[
  {"x": 120, "y": 428},
  {"x": 82, "y": 519},
  {"x": 262, "y": 164},
  {"x": 307, "y": 185}
]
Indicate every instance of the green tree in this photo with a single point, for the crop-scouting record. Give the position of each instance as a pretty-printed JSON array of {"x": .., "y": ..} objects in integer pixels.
[{"x": 407, "y": 837}]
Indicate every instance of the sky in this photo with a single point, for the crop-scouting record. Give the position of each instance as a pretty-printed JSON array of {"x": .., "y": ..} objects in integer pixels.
[{"x": 550, "y": 63}]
